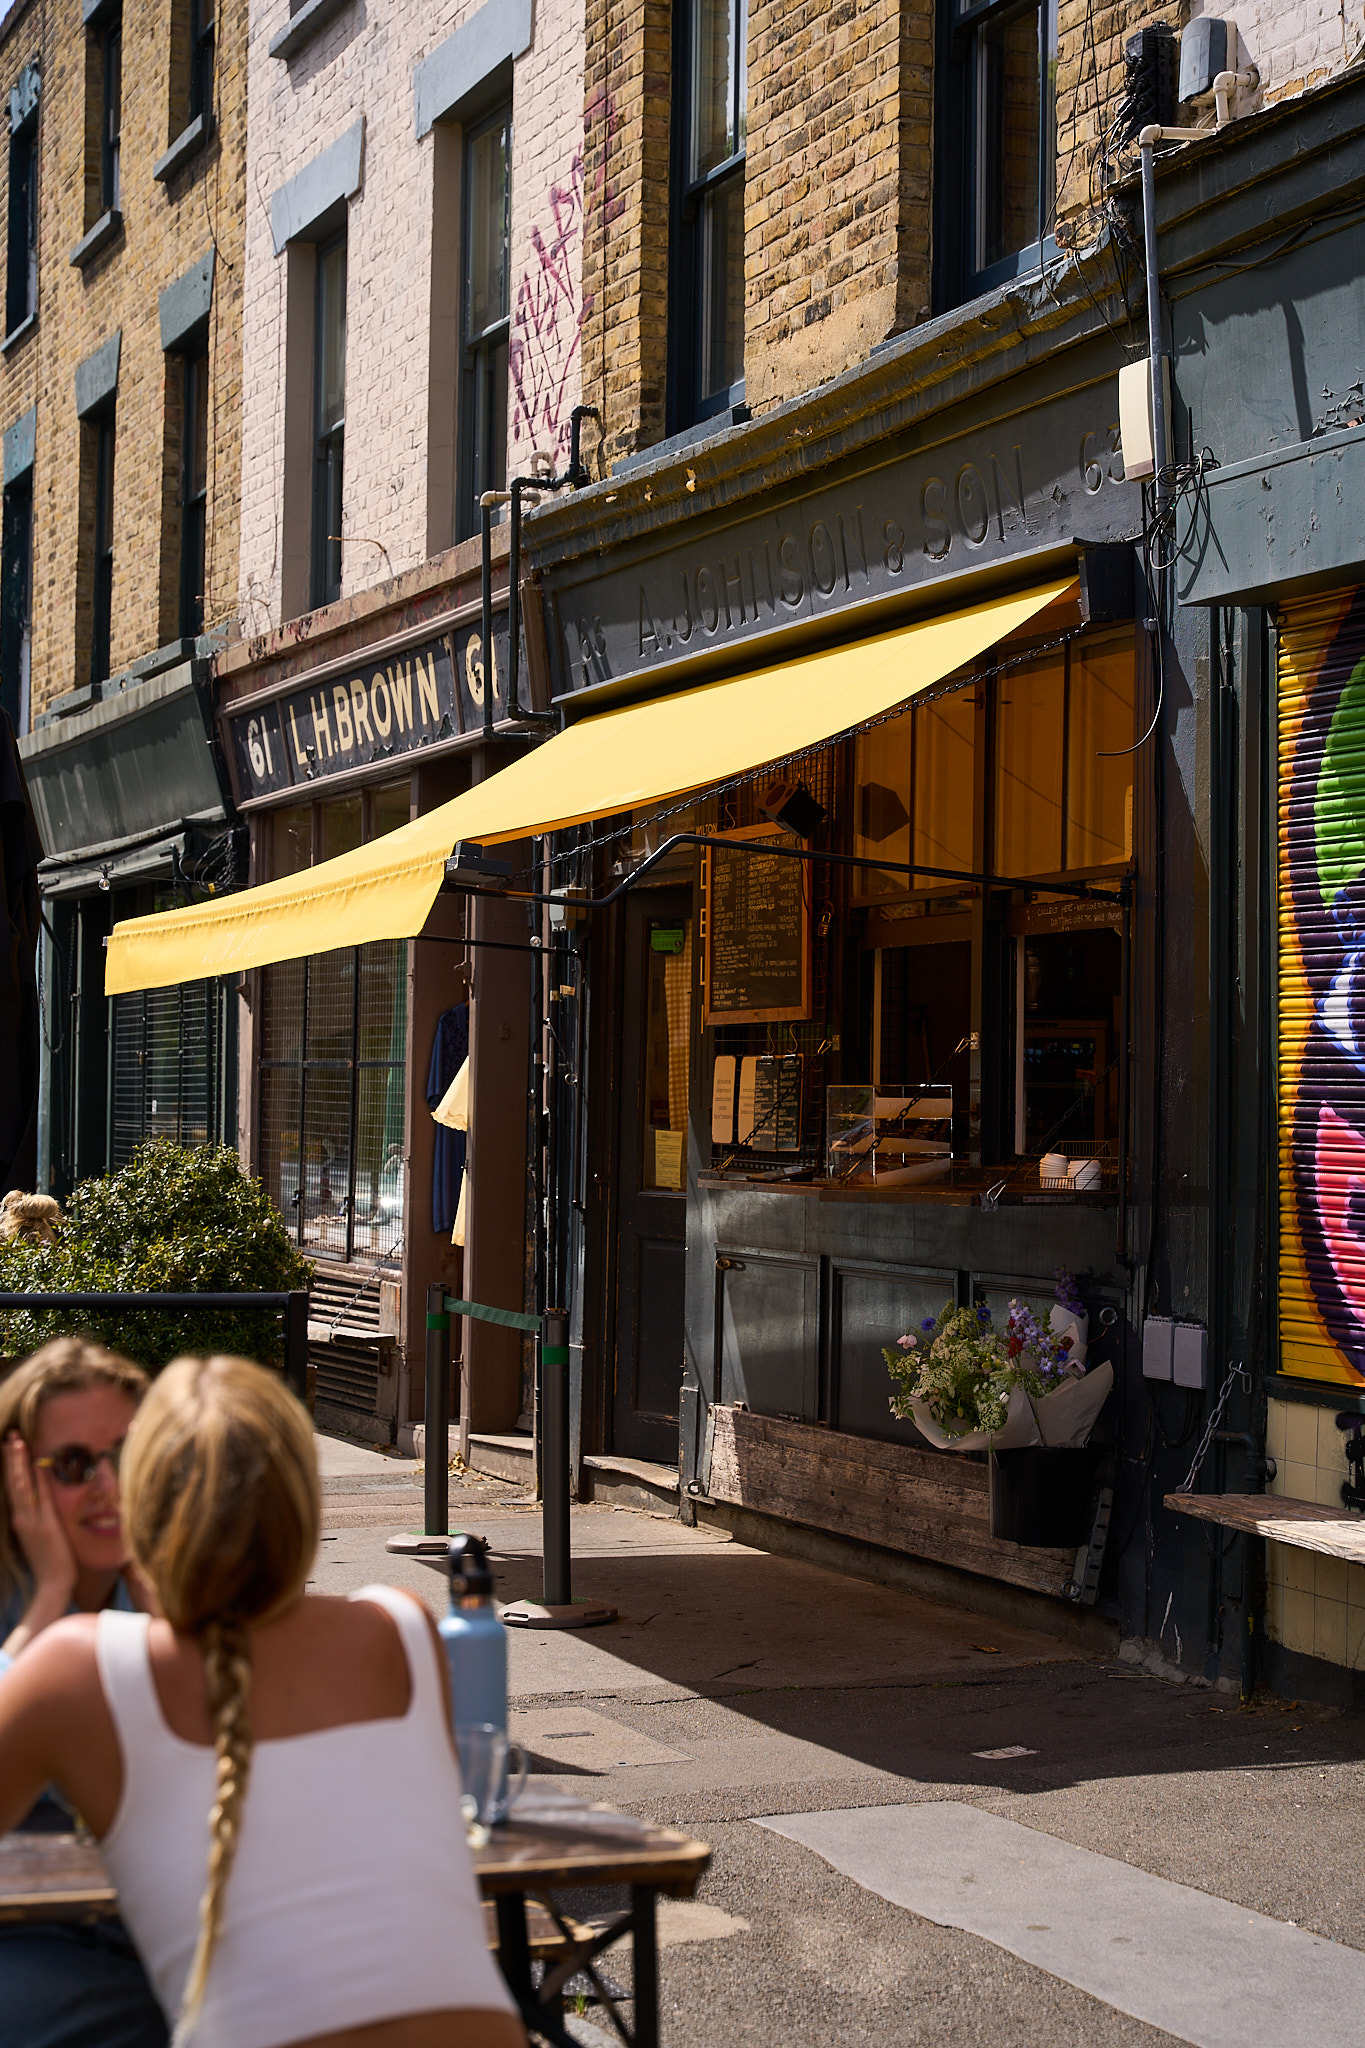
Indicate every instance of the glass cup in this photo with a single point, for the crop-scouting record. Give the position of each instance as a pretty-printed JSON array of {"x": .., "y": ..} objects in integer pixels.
[{"x": 484, "y": 1755}]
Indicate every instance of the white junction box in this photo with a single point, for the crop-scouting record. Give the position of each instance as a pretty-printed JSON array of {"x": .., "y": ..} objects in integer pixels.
[
  {"x": 1157, "y": 1339},
  {"x": 1190, "y": 1355}
]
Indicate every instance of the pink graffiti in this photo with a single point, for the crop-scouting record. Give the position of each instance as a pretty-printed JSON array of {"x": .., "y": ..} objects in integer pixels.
[{"x": 547, "y": 323}]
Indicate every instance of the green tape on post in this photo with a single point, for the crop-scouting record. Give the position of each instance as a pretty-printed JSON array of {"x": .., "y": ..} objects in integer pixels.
[
  {"x": 554, "y": 1354},
  {"x": 438, "y": 1322},
  {"x": 509, "y": 1318}
]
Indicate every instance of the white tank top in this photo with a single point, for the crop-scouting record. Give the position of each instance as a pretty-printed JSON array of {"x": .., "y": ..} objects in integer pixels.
[{"x": 353, "y": 1896}]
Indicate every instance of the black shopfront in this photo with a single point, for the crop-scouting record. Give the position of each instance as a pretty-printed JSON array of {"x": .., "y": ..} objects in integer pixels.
[{"x": 733, "y": 1280}]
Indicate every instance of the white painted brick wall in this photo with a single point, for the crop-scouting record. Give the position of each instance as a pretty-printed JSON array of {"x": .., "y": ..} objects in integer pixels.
[
  {"x": 1292, "y": 43},
  {"x": 362, "y": 63}
]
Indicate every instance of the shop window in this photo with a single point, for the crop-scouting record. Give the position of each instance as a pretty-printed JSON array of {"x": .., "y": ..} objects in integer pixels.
[
  {"x": 708, "y": 210},
  {"x": 914, "y": 777},
  {"x": 21, "y": 265},
  {"x": 169, "y": 1051},
  {"x": 329, "y": 419},
  {"x": 1013, "y": 1001},
  {"x": 333, "y": 1076},
  {"x": 485, "y": 314},
  {"x": 16, "y": 601},
  {"x": 1063, "y": 782},
  {"x": 996, "y": 130},
  {"x": 194, "y": 484}
]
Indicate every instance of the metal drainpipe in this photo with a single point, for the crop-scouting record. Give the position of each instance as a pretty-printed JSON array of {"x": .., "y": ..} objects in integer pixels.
[{"x": 1147, "y": 141}]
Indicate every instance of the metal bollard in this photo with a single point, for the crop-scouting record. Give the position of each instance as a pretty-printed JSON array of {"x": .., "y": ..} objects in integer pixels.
[
  {"x": 437, "y": 1487},
  {"x": 554, "y": 1458}
]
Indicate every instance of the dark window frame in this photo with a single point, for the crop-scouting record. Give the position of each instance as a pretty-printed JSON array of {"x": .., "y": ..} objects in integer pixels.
[
  {"x": 21, "y": 262},
  {"x": 110, "y": 33},
  {"x": 203, "y": 31},
  {"x": 102, "y": 579},
  {"x": 329, "y": 433},
  {"x": 691, "y": 201},
  {"x": 193, "y": 490},
  {"x": 960, "y": 141},
  {"x": 16, "y": 600},
  {"x": 484, "y": 357}
]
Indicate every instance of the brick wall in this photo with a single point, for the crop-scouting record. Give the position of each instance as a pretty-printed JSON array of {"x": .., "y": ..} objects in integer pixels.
[
  {"x": 167, "y": 227},
  {"x": 839, "y": 175},
  {"x": 398, "y": 466}
]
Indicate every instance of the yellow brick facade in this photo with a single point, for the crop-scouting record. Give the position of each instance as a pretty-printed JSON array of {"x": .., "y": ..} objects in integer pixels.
[{"x": 168, "y": 226}]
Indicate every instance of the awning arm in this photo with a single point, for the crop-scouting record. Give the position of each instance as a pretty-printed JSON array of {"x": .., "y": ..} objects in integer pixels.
[{"x": 1080, "y": 891}]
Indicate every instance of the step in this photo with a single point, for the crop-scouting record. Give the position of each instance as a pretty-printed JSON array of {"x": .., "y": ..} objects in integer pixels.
[
  {"x": 631, "y": 1483},
  {"x": 504, "y": 1457}
]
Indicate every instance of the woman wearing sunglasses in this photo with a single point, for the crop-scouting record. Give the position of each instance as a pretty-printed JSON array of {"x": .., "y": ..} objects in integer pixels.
[{"x": 63, "y": 1416}]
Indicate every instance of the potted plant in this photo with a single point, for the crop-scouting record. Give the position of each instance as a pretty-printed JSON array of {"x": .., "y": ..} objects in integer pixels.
[{"x": 1021, "y": 1393}]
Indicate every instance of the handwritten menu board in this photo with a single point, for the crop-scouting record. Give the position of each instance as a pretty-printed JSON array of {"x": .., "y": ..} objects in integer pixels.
[{"x": 756, "y": 910}]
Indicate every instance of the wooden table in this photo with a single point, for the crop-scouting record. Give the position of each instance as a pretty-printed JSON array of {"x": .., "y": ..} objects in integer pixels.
[
  {"x": 1301, "y": 1524},
  {"x": 551, "y": 1843}
]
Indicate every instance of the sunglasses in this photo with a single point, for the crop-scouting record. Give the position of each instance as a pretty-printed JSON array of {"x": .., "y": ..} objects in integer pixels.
[{"x": 76, "y": 1465}]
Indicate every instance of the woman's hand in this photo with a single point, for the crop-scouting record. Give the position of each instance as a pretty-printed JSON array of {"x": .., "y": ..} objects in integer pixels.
[{"x": 40, "y": 1535}]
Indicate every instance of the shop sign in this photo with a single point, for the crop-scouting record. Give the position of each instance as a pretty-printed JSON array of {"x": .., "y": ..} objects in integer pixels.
[
  {"x": 1033, "y": 481},
  {"x": 376, "y": 713}
]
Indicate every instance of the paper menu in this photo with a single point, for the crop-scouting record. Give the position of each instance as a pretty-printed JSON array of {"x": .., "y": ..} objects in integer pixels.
[
  {"x": 723, "y": 1100},
  {"x": 668, "y": 1159},
  {"x": 748, "y": 1077}
]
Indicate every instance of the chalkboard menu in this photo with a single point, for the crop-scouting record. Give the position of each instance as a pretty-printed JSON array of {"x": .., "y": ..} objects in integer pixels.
[{"x": 756, "y": 915}]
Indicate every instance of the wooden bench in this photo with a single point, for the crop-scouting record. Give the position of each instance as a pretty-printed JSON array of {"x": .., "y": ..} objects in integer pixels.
[{"x": 1302, "y": 1524}]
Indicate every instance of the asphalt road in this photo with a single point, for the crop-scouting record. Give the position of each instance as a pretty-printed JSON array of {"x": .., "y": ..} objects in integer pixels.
[{"x": 737, "y": 1686}]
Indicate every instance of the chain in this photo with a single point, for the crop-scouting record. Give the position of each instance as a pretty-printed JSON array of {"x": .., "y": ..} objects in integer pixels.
[{"x": 1235, "y": 1372}]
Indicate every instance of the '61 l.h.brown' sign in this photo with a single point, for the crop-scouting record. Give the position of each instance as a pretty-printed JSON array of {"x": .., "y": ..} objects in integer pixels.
[{"x": 378, "y": 711}]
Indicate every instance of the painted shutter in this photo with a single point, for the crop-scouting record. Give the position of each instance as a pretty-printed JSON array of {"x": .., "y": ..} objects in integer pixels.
[{"x": 1321, "y": 994}]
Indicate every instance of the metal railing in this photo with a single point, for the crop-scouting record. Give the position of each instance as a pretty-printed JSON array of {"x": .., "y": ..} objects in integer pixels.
[{"x": 293, "y": 1306}]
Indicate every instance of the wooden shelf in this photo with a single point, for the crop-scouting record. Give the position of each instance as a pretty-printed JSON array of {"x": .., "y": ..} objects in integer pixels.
[{"x": 1302, "y": 1524}]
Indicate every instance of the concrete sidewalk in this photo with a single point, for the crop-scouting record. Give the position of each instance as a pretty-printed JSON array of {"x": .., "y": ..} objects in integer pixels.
[{"x": 739, "y": 1687}]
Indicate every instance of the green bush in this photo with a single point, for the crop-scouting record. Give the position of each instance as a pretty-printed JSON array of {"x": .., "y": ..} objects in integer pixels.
[{"x": 176, "y": 1219}]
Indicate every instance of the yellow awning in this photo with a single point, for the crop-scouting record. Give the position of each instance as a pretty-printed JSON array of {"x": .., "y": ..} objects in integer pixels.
[{"x": 619, "y": 761}]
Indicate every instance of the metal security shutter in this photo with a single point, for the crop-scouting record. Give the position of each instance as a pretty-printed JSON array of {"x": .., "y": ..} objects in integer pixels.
[
  {"x": 168, "y": 1067},
  {"x": 1321, "y": 995}
]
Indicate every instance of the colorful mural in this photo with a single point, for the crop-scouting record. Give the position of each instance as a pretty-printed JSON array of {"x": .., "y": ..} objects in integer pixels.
[{"x": 1321, "y": 1006}]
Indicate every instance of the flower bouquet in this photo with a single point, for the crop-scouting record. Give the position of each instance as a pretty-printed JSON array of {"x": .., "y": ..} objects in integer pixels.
[{"x": 968, "y": 1386}]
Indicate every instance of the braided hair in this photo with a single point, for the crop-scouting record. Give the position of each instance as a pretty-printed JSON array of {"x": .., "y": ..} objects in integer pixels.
[{"x": 221, "y": 1505}]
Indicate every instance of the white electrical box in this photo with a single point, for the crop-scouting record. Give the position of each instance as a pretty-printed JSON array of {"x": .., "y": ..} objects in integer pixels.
[
  {"x": 1190, "y": 1355},
  {"x": 1135, "y": 415},
  {"x": 1157, "y": 1336}
]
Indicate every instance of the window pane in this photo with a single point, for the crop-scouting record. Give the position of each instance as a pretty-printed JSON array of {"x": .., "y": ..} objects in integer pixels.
[
  {"x": 667, "y": 1033},
  {"x": 340, "y": 823},
  {"x": 383, "y": 999},
  {"x": 331, "y": 371},
  {"x": 326, "y": 1158},
  {"x": 280, "y": 1139},
  {"x": 1099, "y": 793},
  {"x": 486, "y": 255},
  {"x": 378, "y": 1229},
  {"x": 331, "y": 1005},
  {"x": 1028, "y": 769},
  {"x": 389, "y": 808},
  {"x": 1009, "y": 116},
  {"x": 722, "y": 287},
  {"x": 282, "y": 1008},
  {"x": 714, "y": 64},
  {"x": 882, "y": 821},
  {"x": 291, "y": 848},
  {"x": 945, "y": 749}
]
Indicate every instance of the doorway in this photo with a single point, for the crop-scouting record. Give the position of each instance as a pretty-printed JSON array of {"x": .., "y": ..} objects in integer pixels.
[{"x": 651, "y": 1166}]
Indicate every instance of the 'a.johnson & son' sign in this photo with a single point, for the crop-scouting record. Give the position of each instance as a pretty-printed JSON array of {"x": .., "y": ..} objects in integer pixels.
[{"x": 380, "y": 710}]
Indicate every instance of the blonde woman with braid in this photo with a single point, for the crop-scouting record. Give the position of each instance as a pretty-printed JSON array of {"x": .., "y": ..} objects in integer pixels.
[{"x": 271, "y": 1775}]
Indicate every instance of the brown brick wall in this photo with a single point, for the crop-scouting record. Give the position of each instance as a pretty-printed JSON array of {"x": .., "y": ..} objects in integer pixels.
[
  {"x": 837, "y": 186},
  {"x": 166, "y": 229},
  {"x": 627, "y": 89}
]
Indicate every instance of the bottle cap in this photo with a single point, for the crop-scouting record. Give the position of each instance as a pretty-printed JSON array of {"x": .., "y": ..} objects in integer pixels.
[{"x": 470, "y": 1574}]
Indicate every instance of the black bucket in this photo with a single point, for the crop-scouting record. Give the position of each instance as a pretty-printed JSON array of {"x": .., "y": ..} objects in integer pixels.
[{"x": 1043, "y": 1497}]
